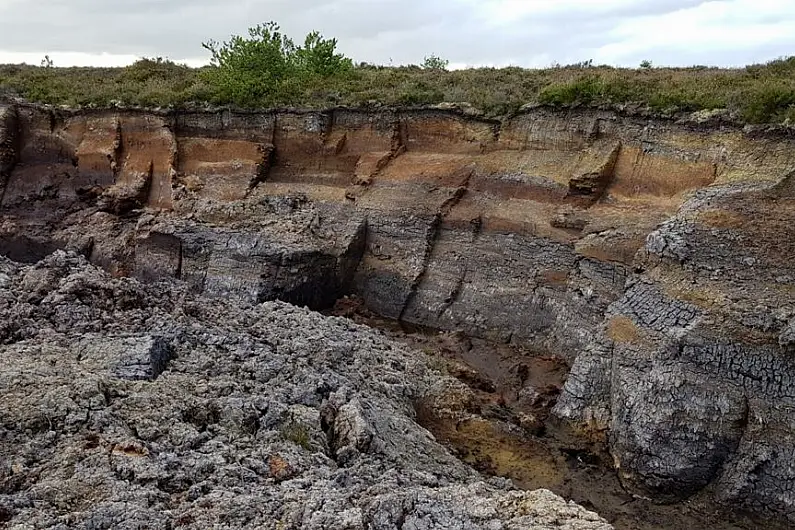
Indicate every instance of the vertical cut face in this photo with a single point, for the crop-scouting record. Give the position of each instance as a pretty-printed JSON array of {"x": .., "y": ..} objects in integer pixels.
[
  {"x": 461, "y": 212},
  {"x": 523, "y": 231}
]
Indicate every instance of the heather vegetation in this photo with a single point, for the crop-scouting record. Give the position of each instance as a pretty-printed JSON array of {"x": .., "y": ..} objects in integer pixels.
[{"x": 266, "y": 69}]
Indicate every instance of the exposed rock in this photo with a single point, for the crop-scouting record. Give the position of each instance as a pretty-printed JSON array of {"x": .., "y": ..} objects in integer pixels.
[
  {"x": 231, "y": 431},
  {"x": 140, "y": 358},
  {"x": 121, "y": 198},
  {"x": 348, "y": 431},
  {"x": 654, "y": 255},
  {"x": 592, "y": 184},
  {"x": 256, "y": 251},
  {"x": 570, "y": 218},
  {"x": 787, "y": 337},
  {"x": 464, "y": 507},
  {"x": 694, "y": 361},
  {"x": 8, "y": 139}
]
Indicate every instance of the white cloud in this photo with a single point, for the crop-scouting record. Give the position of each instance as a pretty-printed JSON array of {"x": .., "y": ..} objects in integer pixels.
[
  {"x": 467, "y": 32},
  {"x": 729, "y": 33},
  {"x": 81, "y": 59},
  {"x": 508, "y": 11},
  {"x": 66, "y": 58}
]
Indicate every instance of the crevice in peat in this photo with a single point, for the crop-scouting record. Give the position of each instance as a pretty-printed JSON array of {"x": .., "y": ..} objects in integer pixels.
[{"x": 505, "y": 428}]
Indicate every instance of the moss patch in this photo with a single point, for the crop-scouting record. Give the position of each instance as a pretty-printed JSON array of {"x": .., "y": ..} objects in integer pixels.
[{"x": 623, "y": 330}]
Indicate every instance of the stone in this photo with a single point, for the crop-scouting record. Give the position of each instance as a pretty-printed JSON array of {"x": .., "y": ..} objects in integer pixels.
[
  {"x": 142, "y": 358},
  {"x": 264, "y": 416},
  {"x": 787, "y": 337},
  {"x": 692, "y": 365}
]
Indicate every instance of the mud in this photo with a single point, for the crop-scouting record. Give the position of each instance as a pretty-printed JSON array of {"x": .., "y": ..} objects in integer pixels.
[{"x": 511, "y": 434}]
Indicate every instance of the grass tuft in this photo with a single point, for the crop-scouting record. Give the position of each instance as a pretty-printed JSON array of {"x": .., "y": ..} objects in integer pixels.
[{"x": 296, "y": 433}]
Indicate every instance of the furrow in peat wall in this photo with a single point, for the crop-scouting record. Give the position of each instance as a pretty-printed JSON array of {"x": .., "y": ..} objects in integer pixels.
[
  {"x": 8, "y": 145},
  {"x": 418, "y": 284}
]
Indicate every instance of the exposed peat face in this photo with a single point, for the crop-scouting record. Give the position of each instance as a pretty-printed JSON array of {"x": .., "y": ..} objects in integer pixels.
[{"x": 617, "y": 293}]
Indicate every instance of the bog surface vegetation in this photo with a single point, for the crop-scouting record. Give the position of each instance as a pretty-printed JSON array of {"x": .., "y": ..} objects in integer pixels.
[{"x": 267, "y": 69}]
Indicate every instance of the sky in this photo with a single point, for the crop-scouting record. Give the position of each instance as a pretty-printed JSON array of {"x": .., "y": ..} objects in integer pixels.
[{"x": 528, "y": 33}]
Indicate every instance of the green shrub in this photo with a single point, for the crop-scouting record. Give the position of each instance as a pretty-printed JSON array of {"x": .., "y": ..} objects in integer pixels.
[
  {"x": 434, "y": 62},
  {"x": 318, "y": 57},
  {"x": 145, "y": 69},
  {"x": 768, "y": 102},
  {"x": 268, "y": 68},
  {"x": 420, "y": 93}
]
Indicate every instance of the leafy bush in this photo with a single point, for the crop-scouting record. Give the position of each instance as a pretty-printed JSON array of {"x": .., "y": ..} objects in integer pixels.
[
  {"x": 767, "y": 103},
  {"x": 434, "y": 62},
  {"x": 268, "y": 68},
  {"x": 319, "y": 57}
]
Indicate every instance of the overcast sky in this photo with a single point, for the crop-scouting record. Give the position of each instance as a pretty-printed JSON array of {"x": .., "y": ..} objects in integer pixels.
[{"x": 532, "y": 33}]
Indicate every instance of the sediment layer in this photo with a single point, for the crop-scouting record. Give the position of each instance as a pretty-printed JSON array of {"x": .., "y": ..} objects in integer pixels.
[{"x": 653, "y": 255}]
